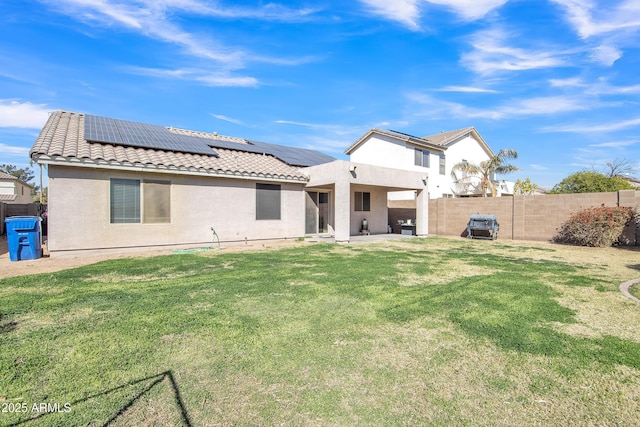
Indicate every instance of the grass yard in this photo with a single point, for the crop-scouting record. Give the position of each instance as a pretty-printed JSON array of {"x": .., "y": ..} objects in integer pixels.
[{"x": 415, "y": 332}]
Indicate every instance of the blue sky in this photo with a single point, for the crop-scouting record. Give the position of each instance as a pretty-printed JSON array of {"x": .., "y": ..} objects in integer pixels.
[{"x": 556, "y": 80}]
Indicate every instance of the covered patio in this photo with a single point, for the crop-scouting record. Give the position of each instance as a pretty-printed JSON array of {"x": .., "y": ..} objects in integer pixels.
[{"x": 341, "y": 194}]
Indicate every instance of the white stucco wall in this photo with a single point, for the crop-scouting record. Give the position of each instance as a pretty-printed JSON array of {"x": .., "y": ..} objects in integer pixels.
[
  {"x": 79, "y": 212},
  {"x": 377, "y": 216},
  {"x": 465, "y": 149}
]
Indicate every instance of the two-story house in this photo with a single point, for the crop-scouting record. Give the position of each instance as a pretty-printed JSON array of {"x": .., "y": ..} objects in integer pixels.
[{"x": 433, "y": 155}]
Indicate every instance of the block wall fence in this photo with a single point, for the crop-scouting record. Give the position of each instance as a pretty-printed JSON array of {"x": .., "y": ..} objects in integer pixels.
[{"x": 523, "y": 217}]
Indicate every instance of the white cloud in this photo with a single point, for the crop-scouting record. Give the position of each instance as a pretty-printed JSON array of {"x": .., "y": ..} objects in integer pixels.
[
  {"x": 545, "y": 105},
  {"x": 227, "y": 119},
  {"x": 466, "y": 89},
  {"x": 591, "y": 128},
  {"x": 591, "y": 18},
  {"x": 22, "y": 114},
  {"x": 599, "y": 87},
  {"x": 538, "y": 167},
  {"x": 405, "y": 12},
  {"x": 13, "y": 150},
  {"x": 612, "y": 24},
  {"x": 153, "y": 19},
  {"x": 491, "y": 54},
  {"x": 470, "y": 9},
  {"x": 569, "y": 82},
  {"x": 616, "y": 144},
  {"x": 223, "y": 80},
  {"x": 266, "y": 12},
  {"x": 620, "y": 90},
  {"x": 606, "y": 55},
  {"x": 408, "y": 12},
  {"x": 290, "y": 122},
  {"x": 436, "y": 108},
  {"x": 219, "y": 79},
  {"x": 329, "y": 128}
]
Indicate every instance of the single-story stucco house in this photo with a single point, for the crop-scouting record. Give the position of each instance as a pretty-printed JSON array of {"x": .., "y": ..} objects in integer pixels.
[{"x": 117, "y": 185}]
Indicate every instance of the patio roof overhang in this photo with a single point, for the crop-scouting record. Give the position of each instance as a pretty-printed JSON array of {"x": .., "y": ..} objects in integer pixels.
[
  {"x": 341, "y": 172},
  {"x": 343, "y": 177}
]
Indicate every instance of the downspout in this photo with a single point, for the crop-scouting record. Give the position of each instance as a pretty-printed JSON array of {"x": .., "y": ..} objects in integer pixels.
[{"x": 41, "y": 189}]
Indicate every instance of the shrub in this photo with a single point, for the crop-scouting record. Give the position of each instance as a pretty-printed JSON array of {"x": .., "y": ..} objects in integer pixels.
[{"x": 598, "y": 227}]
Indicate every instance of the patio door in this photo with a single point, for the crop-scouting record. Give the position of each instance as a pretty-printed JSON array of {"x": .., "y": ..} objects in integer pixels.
[{"x": 317, "y": 212}]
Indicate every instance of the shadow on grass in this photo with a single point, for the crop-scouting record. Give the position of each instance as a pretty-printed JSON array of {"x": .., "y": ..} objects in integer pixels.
[
  {"x": 156, "y": 380},
  {"x": 6, "y": 327},
  {"x": 515, "y": 313}
]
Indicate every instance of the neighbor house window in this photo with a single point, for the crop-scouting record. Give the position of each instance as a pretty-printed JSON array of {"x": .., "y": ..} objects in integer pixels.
[
  {"x": 268, "y": 201},
  {"x": 443, "y": 164},
  {"x": 131, "y": 197},
  {"x": 421, "y": 157},
  {"x": 363, "y": 201}
]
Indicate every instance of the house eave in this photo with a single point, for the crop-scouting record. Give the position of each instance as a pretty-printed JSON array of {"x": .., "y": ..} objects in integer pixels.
[
  {"x": 415, "y": 141},
  {"x": 174, "y": 170}
]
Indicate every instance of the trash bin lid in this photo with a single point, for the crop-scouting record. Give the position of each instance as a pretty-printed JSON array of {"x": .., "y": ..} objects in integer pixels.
[{"x": 22, "y": 222}]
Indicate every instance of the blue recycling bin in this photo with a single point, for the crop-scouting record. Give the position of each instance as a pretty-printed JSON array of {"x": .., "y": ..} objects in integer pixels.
[{"x": 24, "y": 237}]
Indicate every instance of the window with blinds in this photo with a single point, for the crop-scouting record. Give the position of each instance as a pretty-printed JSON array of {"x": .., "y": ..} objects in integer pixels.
[
  {"x": 135, "y": 201},
  {"x": 268, "y": 204},
  {"x": 125, "y": 201}
]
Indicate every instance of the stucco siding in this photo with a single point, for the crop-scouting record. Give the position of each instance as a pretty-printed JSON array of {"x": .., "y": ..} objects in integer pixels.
[
  {"x": 79, "y": 212},
  {"x": 377, "y": 217},
  {"x": 22, "y": 192},
  {"x": 465, "y": 149},
  {"x": 380, "y": 150}
]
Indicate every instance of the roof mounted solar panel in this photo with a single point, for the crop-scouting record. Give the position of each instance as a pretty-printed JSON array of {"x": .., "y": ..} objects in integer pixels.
[
  {"x": 134, "y": 134},
  {"x": 292, "y": 155}
]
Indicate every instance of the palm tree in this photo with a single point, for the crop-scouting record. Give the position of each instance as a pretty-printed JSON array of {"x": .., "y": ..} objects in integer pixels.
[{"x": 485, "y": 170}]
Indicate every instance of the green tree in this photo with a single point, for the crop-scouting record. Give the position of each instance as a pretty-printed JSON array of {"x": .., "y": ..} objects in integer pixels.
[
  {"x": 525, "y": 187},
  {"x": 590, "y": 182},
  {"x": 24, "y": 175},
  {"x": 45, "y": 195},
  {"x": 485, "y": 171}
]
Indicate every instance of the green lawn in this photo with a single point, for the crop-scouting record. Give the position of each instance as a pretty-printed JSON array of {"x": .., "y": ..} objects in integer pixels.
[{"x": 419, "y": 332}]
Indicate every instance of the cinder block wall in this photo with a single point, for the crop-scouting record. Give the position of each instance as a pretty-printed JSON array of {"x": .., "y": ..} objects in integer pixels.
[{"x": 522, "y": 217}]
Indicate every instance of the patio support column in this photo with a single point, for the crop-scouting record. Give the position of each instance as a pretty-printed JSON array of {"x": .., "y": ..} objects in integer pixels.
[
  {"x": 342, "y": 211},
  {"x": 422, "y": 212}
]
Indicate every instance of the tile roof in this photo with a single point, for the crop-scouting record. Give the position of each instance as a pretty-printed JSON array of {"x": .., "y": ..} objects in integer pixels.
[
  {"x": 440, "y": 141},
  {"x": 4, "y": 175},
  {"x": 62, "y": 141},
  {"x": 443, "y": 138}
]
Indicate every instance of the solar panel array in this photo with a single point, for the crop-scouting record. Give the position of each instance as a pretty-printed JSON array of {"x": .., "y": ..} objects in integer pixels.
[
  {"x": 123, "y": 132},
  {"x": 290, "y": 155},
  {"x": 133, "y": 134},
  {"x": 294, "y": 156}
]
